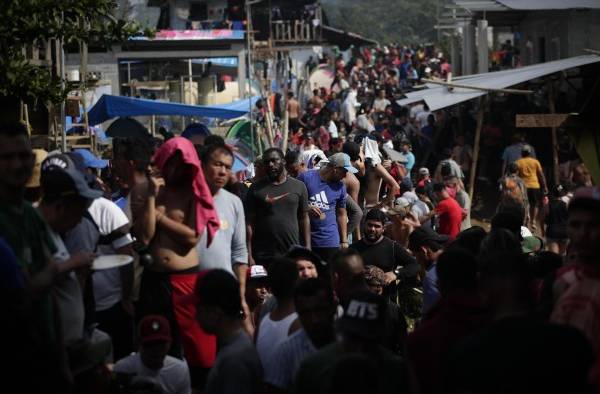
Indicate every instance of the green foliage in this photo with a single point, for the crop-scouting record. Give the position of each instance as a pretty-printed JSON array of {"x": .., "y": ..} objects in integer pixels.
[
  {"x": 400, "y": 21},
  {"x": 30, "y": 22}
]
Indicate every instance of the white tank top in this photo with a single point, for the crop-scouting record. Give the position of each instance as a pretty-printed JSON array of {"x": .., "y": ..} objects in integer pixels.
[{"x": 270, "y": 334}]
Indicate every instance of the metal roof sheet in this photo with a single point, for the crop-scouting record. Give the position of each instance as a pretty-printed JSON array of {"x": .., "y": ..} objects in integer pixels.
[
  {"x": 532, "y": 5},
  {"x": 438, "y": 97}
]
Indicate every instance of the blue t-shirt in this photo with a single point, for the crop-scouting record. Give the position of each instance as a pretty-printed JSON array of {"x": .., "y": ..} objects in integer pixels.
[
  {"x": 410, "y": 160},
  {"x": 10, "y": 273},
  {"x": 431, "y": 292},
  {"x": 327, "y": 197}
]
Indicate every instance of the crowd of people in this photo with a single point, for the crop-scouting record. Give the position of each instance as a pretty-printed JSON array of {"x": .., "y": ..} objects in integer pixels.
[{"x": 346, "y": 264}]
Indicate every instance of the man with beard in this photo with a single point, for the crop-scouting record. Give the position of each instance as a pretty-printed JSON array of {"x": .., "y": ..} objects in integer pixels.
[
  {"x": 276, "y": 211},
  {"x": 327, "y": 201},
  {"x": 378, "y": 250}
]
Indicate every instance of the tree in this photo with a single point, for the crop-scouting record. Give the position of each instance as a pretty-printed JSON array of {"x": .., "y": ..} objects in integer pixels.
[
  {"x": 32, "y": 22},
  {"x": 387, "y": 21}
]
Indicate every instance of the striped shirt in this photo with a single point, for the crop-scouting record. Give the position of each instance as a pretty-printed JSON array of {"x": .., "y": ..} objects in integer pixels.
[{"x": 287, "y": 359}]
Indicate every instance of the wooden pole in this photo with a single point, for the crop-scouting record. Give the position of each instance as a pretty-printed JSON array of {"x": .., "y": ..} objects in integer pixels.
[
  {"x": 286, "y": 127},
  {"x": 473, "y": 175},
  {"x": 551, "y": 106},
  {"x": 268, "y": 119}
]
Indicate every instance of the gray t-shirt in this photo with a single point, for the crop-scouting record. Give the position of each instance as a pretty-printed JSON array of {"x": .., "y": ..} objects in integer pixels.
[
  {"x": 237, "y": 369},
  {"x": 229, "y": 243}
]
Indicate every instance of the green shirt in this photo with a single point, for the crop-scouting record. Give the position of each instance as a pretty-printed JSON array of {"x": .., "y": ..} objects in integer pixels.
[{"x": 27, "y": 234}]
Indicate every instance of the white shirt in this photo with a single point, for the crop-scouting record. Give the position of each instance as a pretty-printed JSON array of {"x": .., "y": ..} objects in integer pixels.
[
  {"x": 379, "y": 105},
  {"x": 308, "y": 156},
  {"x": 333, "y": 130},
  {"x": 173, "y": 377},
  {"x": 416, "y": 110},
  {"x": 69, "y": 296},
  {"x": 270, "y": 334},
  {"x": 349, "y": 107},
  {"x": 107, "y": 217},
  {"x": 362, "y": 122},
  {"x": 287, "y": 359},
  {"x": 422, "y": 118}
]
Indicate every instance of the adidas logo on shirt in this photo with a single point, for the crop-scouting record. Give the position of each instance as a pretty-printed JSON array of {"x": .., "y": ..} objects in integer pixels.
[{"x": 319, "y": 200}]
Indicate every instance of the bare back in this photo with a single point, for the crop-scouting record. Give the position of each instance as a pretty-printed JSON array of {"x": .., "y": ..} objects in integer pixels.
[
  {"x": 293, "y": 108},
  {"x": 373, "y": 186},
  {"x": 168, "y": 254}
]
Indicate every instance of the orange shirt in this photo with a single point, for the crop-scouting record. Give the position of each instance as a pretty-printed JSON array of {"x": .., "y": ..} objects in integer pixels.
[{"x": 528, "y": 170}]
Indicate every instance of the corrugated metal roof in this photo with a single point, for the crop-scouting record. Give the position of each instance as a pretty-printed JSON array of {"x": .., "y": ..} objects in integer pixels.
[
  {"x": 532, "y": 5},
  {"x": 480, "y": 5},
  {"x": 438, "y": 97}
]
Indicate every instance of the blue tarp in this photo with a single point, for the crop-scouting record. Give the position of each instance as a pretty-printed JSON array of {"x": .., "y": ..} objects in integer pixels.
[{"x": 110, "y": 106}]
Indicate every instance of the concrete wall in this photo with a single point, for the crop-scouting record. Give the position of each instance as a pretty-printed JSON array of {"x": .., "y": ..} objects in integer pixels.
[{"x": 552, "y": 35}]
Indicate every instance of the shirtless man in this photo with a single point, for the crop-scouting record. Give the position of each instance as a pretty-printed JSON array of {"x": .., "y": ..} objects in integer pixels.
[
  {"x": 374, "y": 176},
  {"x": 353, "y": 209},
  {"x": 352, "y": 183},
  {"x": 293, "y": 109},
  {"x": 179, "y": 208}
]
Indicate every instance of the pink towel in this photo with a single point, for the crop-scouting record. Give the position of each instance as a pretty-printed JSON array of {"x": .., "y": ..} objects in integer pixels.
[{"x": 206, "y": 215}]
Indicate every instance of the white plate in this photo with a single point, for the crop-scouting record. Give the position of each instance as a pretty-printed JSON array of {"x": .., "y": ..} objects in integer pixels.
[{"x": 111, "y": 261}]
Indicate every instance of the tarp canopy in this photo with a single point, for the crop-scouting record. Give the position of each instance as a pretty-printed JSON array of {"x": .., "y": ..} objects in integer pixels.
[
  {"x": 110, "y": 106},
  {"x": 438, "y": 97}
]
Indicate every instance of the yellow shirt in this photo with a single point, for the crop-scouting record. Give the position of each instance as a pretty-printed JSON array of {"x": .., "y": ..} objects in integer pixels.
[{"x": 528, "y": 170}]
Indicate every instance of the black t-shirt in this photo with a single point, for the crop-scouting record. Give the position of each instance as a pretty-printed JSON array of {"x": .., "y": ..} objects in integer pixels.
[
  {"x": 556, "y": 220},
  {"x": 385, "y": 254},
  {"x": 274, "y": 210}
]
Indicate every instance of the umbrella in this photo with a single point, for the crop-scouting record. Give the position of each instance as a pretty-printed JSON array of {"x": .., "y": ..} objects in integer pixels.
[{"x": 127, "y": 127}]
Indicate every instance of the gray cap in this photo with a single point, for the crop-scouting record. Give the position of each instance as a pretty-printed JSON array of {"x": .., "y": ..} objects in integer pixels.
[
  {"x": 341, "y": 160},
  {"x": 60, "y": 178}
]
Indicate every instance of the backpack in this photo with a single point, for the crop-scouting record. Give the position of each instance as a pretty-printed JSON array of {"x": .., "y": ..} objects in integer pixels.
[{"x": 511, "y": 191}]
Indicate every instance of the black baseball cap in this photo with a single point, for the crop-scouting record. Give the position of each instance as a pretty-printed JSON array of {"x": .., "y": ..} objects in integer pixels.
[
  {"x": 424, "y": 235},
  {"x": 61, "y": 178},
  {"x": 300, "y": 252}
]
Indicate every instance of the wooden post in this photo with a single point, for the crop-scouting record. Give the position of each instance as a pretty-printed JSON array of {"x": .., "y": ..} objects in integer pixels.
[
  {"x": 26, "y": 118},
  {"x": 269, "y": 119},
  {"x": 473, "y": 175},
  {"x": 551, "y": 106},
  {"x": 286, "y": 127}
]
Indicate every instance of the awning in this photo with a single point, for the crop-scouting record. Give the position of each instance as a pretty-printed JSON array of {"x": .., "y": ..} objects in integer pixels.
[
  {"x": 109, "y": 107},
  {"x": 344, "y": 39},
  {"x": 438, "y": 97},
  {"x": 531, "y": 5}
]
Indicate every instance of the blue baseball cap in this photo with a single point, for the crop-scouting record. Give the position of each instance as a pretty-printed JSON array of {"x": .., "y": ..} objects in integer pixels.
[
  {"x": 91, "y": 161},
  {"x": 341, "y": 160}
]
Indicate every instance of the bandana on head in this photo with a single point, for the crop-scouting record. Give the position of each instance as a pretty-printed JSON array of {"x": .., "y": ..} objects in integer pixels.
[{"x": 206, "y": 215}]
